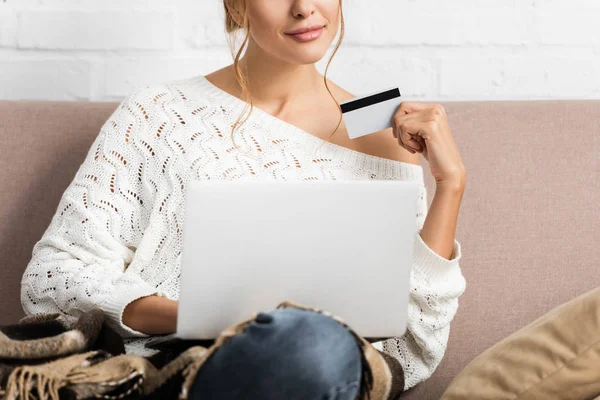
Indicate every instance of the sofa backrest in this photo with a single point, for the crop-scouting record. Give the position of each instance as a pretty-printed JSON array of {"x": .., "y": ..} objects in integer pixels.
[
  {"x": 529, "y": 222},
  {"x": 42, "y": 144}
]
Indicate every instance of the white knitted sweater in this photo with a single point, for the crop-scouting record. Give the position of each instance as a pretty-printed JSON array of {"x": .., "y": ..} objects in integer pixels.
[{"x": 117, "y": 232}]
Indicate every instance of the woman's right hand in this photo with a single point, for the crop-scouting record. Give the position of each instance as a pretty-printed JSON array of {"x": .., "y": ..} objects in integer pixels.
[{"x": 152, "y": 315}]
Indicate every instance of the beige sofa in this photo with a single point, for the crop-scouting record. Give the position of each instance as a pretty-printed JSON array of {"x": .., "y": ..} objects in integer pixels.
[{"x": 529, "y": 222}]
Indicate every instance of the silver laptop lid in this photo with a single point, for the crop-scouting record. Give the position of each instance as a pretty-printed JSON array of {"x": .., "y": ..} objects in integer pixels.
[{"x": 341, "y": 246}]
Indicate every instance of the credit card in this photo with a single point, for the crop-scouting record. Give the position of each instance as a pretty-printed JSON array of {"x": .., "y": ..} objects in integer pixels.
[{"x": 370, "y": 113}]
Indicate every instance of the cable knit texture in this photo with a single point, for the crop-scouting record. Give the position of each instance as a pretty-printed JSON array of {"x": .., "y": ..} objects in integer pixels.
[{"x": 116, "y": 235}]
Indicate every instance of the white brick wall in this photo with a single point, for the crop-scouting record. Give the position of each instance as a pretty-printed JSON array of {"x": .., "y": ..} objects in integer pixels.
[{"x": 433, "y": 50}]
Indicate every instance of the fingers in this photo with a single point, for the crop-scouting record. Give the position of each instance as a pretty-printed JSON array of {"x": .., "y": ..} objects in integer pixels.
[
  {"x": 404, "y": 138},
  {"x": 413, "y": 121},
  {"x": 421, "y": 142},
  {"x": 407, "y": 107},
  {"x": 408, "y": 136}
]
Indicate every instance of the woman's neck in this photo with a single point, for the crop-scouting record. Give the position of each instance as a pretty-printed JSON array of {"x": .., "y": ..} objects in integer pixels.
[{"x": 276, "y": 86}]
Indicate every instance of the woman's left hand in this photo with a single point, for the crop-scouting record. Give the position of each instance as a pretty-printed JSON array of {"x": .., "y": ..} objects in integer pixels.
[{"x": 423, "y": 128}]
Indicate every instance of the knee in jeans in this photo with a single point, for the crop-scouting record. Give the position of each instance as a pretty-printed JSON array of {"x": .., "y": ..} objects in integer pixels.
[
  {"x": 288, "y": 349},
  {"x": 311, "y": 344}
]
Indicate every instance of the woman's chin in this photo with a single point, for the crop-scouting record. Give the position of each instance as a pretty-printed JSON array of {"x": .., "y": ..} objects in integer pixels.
[{"x": 309, "y": 56}]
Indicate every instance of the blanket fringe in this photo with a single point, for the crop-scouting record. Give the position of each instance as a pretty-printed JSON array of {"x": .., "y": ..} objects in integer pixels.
[{"x": 24, "y": 381}]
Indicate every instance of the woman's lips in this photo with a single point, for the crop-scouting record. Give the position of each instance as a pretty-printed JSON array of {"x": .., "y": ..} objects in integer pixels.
[{"x": 307, "y": 36}]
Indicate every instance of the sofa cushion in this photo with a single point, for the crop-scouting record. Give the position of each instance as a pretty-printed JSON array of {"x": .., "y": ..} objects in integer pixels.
[{"x": 557, "y": 356}]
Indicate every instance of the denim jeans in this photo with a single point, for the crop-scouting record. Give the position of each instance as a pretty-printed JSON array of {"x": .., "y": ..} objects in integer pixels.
[{"x": 285, "y": 354}]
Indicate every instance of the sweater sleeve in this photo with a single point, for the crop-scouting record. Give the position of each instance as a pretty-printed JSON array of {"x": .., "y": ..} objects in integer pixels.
[
  {"x": 435, "y": 285},
  {"x": 82, "y": 258}
]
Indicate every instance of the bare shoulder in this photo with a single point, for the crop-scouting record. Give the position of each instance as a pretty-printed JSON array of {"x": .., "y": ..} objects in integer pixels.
[{"x": 380, "y": 144}]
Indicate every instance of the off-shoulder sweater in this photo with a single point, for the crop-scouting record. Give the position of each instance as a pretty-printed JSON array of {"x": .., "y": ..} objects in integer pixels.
[{"x": 116, "y": 235}]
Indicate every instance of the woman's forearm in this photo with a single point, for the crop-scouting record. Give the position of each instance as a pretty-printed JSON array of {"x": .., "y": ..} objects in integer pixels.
[
  {"x": 439, "y": 227},
  {"x": 152, "y": 315}
]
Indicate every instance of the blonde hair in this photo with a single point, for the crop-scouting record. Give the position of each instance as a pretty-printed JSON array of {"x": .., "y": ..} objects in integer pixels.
[{"x": 232, "y": 27}]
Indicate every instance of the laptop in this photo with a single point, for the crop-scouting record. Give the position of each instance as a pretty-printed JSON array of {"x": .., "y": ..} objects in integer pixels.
[{"x": 341, "y": 246}]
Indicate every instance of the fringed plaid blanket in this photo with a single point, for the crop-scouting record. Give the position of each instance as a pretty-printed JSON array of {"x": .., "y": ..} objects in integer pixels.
[{"x": 58, "y": 356}]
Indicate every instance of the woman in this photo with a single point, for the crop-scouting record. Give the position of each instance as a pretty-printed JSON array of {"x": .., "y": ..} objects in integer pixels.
[{"x": 115, "y": 240}]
